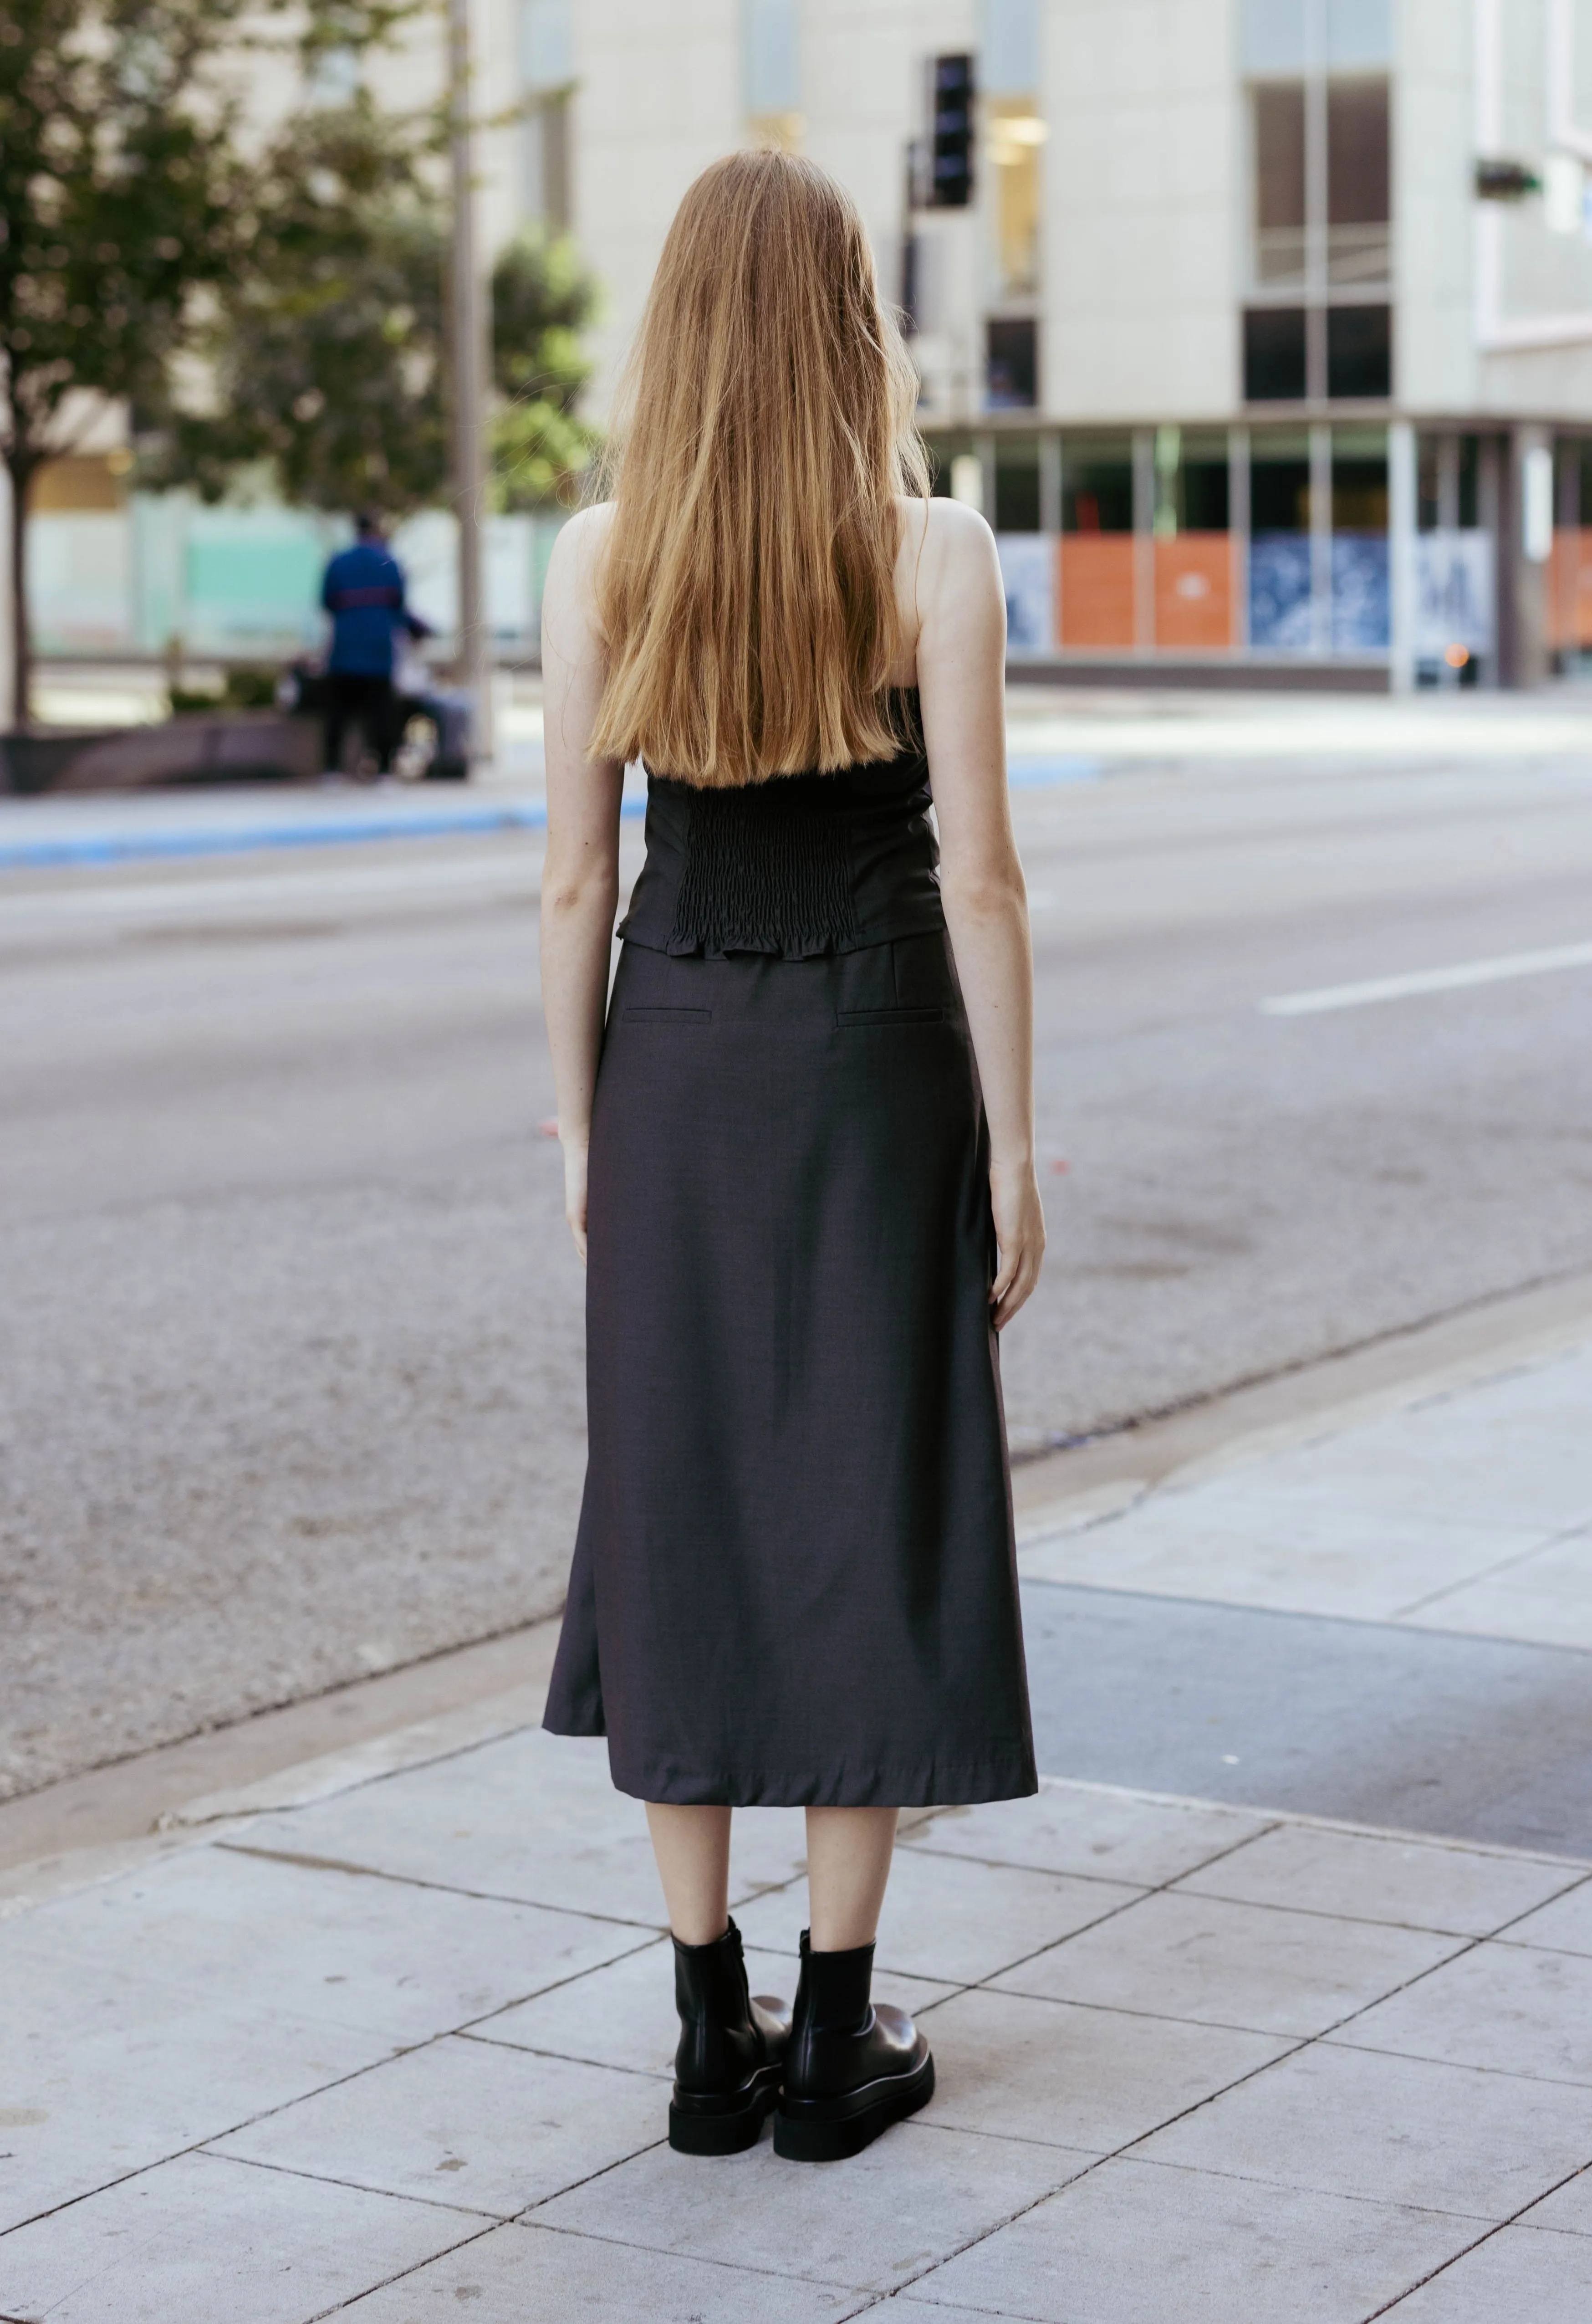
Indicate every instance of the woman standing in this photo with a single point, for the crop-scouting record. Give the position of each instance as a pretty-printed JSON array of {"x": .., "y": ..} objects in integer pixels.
[{"x": 798, "y": 1142}]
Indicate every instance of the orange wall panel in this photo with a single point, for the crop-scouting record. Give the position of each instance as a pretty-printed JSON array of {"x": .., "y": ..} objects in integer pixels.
[
  {"x": 1194, "y": 590},
  {"x": 1569, "y": 588},
  {"x": 1095, "y": 571}
]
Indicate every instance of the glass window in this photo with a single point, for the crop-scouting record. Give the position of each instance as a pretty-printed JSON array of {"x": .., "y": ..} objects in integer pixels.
[
  {"x": 1279, "y": 482},
  {"x": 1359, "y": 351},
  {"x": 1015, "y": 133},
  {"x": 1017, "y": 484},
  {"x": 1008, "y": 47},
  {"x": 1097, "y": 484},
  {"x": 1276, "y": 35},
  {"x": 546, "y": 50},
  {"x": 769, "y": 63},
  {"x": 943, "y": 455},
  {"x": 1282, "y": 617},
  {"x": 1277, "y": 127},
  {"x": 1358, "y": 176},
  {"x": 1190, "y": 482},
  {"x": 1274, "y": 354},
  {"x": 1012, "y": 362},
  {"x": 1361, "y": 602},
  {"x": 1359, "y": 33}
]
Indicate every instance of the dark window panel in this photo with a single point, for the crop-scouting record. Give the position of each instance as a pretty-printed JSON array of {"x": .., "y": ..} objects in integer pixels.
[
  {"x": 1096, "y": 489},
  {"x": 1358, "y": 179},
  {"x": 1359, "y": 351},
  {"x": 1012, "y": 373},
  {"x": 1359, "y": 496},
  {"x": 1279, "y": 154},
  {"x": 1274, "y": 354},
  {"x": 1017, "y": 489},
  {"x": 1205, "y": 496},
  {"x": 1279, "y": 495},
  {"x": 1470, "y": 477}
]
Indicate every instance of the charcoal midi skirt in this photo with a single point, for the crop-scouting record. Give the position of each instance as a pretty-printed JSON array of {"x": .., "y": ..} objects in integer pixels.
[{"x": 793, "y": 1581}]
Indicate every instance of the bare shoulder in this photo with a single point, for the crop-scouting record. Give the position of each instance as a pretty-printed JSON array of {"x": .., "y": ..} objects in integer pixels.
[
  {"x": 580, "y": 539},
  {"x": 949, "y": 542}
]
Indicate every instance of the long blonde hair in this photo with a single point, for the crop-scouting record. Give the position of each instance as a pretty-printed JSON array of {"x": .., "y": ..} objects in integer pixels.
[{"x": 747, "y": 595}]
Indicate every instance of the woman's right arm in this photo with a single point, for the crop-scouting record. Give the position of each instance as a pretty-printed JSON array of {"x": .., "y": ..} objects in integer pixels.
[
  {"x": 580, "y": 875},
  {"x": 962, "y": 688}
]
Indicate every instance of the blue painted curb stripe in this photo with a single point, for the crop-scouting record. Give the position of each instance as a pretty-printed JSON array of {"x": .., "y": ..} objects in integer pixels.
[{"x": 438, "y": 823}]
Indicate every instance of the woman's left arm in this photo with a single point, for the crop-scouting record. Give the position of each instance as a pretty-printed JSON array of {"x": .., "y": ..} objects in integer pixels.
[{"x": 580, "y": 876}]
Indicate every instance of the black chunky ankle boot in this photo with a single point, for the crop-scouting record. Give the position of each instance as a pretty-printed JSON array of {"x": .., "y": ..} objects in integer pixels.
[
  {"x": 851, "y": 2069},
  {"x": 731, "y": 2050}
]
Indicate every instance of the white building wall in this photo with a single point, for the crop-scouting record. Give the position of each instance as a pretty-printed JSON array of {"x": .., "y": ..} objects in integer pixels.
[
  {"x": 658, "y": 98},
  {"x": 1143, "y": 206}
]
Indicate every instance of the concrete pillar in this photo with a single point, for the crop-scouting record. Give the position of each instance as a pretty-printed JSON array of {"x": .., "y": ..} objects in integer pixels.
[
  {"x": 7, "y": 673},
  {"x": 1320, "y": 539},
  {"x": 1239, "y": 530},
  {"x": 1402, "y": 519},
  {"x": 1143, "y": 538},
  {"x": 1525, "y": 545}
]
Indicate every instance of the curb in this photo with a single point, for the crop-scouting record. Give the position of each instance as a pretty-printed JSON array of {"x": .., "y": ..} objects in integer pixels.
[{"x": 64, "y": 851}]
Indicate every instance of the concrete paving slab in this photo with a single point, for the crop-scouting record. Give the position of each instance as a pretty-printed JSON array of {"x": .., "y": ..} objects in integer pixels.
[
  {"x": 1366, "y": 1877},
  {"x": 1092, "y": 2079},
  {"x": 938, "y": 1924},
  {"x": 101, "y": 2080},
  {"x": 910, "y": 2199},
  {"x": 199, "y": 2239},
  {"x": 1214, "y": 1964},
  {"x": 475, "y": 2123},
  {"x": 1394, "y": 2130},
  {"x": 532, "y": 1816},
  {"x": 1078, "y": 1827},
  {"x": 220, "y": 1927},
  {"x": 1563, "y": 1927},
  {"x": 1568, "y": 2208},
  {"x": 1500, "y": 2007},
  {"x": 1256, "y": 1544},
  {"x": 1546, "y": 1595},
  {"x": 624, "y": 2016},
  {"x": 1518, "y": 2272},
  {"x": 1359, "y": 1722},
  {"x": 1135, "y": 2244},
  {"x": 526, "y": 2274},
  {"x": 1511, "y": 1451}
]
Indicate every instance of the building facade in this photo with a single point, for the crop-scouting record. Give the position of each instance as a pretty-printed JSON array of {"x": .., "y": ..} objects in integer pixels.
[
  {"x": 1260, "y": 329},
  {"x": 1263, "y": 335}
]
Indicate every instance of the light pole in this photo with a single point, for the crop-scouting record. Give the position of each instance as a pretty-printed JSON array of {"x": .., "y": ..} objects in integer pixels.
[{"x": 467, "y": 330}]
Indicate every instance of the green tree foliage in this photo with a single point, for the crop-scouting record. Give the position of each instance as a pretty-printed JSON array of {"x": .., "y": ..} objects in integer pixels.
[
  {"x": 324, "y": 351},
  {"x": 540, "y": 301},
  {"x": 125, "y": 204}
]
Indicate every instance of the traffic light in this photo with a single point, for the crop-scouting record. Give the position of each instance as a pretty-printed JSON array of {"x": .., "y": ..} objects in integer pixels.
[{"x": 950, "y": 133}]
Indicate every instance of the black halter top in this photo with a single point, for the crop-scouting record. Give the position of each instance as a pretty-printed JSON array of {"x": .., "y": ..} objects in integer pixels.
[{"x": 795, "y": 866}]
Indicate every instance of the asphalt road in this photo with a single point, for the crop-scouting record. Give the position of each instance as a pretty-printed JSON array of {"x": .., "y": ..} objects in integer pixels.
[{"x": 291, "y": 1336}]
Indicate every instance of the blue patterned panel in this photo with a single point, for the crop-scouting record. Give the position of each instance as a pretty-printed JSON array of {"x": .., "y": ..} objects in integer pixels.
[
  {"x": 1360, "y": 621},
  {"x": 1279, "y": 592}
]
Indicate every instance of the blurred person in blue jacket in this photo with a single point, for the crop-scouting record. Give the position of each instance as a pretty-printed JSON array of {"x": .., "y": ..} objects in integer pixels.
[{"x": 363, "y": 592}]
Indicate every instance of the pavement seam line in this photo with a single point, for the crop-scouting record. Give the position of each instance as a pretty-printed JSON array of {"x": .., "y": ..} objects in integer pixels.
[
  {"x": 1125, "y": 2151},
  {"x": 342, "y": 2307},
  {"x": 353, "y": 1871},
  {"x": 358, "y": 2186},
  {"x": 1554, "y": 1540},
  {"x": 662, "y": 2251},
  {"x": 1453, "y": 2260}
]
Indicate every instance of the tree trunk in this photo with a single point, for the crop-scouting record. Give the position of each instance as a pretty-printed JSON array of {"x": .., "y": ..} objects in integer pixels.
[{"x": 22, "y": 640}]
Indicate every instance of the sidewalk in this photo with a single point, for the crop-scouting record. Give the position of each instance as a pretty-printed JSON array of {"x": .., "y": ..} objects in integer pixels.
[{"x": 390, "y": 2035}]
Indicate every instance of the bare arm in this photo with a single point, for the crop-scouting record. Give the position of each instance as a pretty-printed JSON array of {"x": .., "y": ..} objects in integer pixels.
[
  {"x": 960, "y": 676},
  {"x": 580, "y": 878}
]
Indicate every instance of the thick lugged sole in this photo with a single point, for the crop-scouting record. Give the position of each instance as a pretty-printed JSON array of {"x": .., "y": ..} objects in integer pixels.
[
  {"x": 724, "y": 2125},
  {"x": 827, "y": 2130}
]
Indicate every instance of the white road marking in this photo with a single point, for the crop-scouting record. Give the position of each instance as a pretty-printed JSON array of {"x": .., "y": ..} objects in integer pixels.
[
  {"x": 519, "y": 874},
  {"x": 1428, "y": 980}
]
